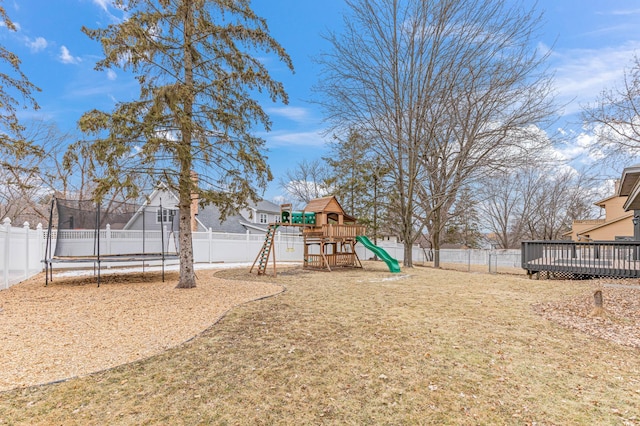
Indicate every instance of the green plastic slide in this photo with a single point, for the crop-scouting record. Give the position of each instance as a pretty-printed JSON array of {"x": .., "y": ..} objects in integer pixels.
[{"x": 381, "y": 253}]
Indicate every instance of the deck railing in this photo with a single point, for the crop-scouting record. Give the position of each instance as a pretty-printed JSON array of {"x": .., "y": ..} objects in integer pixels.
[
  {"x": 337, "y": 231},
  {"x": 595, "y": 258}
]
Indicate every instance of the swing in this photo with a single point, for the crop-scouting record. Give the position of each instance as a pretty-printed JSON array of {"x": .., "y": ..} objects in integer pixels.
[{"x": 289, "y": 238}]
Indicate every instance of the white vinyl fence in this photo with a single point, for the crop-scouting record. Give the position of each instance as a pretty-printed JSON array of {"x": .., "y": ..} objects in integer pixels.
[
  {"x": 21, "y": 253},
  {"x": 22, "y": 250}
]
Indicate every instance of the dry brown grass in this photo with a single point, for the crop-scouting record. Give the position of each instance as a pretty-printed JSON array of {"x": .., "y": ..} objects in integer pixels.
[{"x": 366, "y": 347}]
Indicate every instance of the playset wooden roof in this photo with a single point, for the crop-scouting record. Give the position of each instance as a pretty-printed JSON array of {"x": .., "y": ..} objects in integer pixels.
[{"x": 328, "y": 204}]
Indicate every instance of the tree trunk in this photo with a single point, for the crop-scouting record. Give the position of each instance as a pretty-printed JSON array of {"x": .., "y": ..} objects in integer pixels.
[
  {"x": 408, "y": 254},
  {"x": 187, "y": 273},
  {"x": 598, "y": 310},
  {"x": 435, "y": 238}
]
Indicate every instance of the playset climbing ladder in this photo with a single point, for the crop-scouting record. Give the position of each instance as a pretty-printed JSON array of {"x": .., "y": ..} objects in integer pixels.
[{"x": 267, "y": 248}]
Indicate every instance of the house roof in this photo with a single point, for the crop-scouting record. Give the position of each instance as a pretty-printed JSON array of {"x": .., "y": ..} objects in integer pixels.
[
  {"x": 630, "y": 186},
  {"x": 602, "y": 202},
  {"x": 629, "y": 179},
  {"x": 267, "y": 206},
  {"x": 209, "y": 217},
  {"x": 161, "y": 187},
  {"x": 605, "y": 224}
]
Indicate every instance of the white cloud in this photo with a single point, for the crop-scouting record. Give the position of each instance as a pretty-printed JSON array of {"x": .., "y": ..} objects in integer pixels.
[
  {"x": 66, "y": 57},
  {"x": 103, "y": 4},
  {"x": 298, "y": 114},
  {"x": 37, "y": 45},
  {"x": 625, "y": 12},
  {"x": 281, "y": 139},
  {"x": 582, "y": 74},
  {"x": 111, "y": 74}
]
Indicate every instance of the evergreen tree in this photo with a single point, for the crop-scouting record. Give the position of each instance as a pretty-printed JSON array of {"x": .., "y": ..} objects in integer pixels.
[
  {"x": 13, "y": 84},
  {"x": 197, "y": 109},
  {"x": 351, "y": 164},
  {"x": 463, "y": 223},
  {"x": 360, "y": 176}
]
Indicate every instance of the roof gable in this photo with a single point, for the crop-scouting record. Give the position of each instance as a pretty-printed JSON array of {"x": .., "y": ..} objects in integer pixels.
[
  {"x": 605, "y": 224},
  {"x": 328, "y": 204}
]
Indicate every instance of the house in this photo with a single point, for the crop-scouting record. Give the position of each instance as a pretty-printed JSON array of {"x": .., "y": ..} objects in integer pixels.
[
  {"x": 630, "y": 187},
  {"x": 253, "y": 219},
  {"x": 162, "y": 207},
  {"x": 616, "y": 225}
]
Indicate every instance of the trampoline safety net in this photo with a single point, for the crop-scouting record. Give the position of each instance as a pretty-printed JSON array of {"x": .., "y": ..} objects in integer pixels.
[{"x": 111, "y": 228}]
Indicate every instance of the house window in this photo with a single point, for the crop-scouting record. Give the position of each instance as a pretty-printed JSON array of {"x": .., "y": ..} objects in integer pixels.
[
  {"x": 263, "y": 218},
  {"x": 165, "y": 215}
]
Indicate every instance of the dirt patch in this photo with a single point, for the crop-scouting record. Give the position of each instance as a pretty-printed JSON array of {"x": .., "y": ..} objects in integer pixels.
[{"x": 73, "y": 328}]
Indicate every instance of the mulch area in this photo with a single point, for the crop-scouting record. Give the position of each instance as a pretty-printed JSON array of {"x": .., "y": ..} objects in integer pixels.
[{"x": 73, "y": 327}]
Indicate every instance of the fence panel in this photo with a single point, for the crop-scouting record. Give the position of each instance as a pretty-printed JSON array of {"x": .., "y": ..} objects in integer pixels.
[
  {"x": 20, "y": 253},
  {"x": 481, "y": 260}
]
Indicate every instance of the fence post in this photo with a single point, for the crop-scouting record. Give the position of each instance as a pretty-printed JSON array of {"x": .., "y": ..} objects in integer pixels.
[
  {"x": 493, "y": 255},
  {"x": 469, "y": 260},
  {"x": 108, "y": 238},
  {"x": 7, "y": 244},
  {"x": 39, "y": 239},
  {"x": 210, "y": 240},
  {"x": 26, "y": 251}
]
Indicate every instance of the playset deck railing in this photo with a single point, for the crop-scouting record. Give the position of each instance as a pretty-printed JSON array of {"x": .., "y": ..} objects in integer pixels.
[{"x": 336, "y": 231}]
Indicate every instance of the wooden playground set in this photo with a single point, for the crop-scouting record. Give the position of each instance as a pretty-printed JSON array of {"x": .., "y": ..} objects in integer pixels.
[{"x": 329, "y": 235}]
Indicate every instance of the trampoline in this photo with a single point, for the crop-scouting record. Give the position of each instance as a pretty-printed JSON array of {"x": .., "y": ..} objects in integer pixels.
[{"x": 110, "y": 231}]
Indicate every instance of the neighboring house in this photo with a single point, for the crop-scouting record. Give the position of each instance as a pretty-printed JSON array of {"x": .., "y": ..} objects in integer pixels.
[
  {"x": 161, "y": 208},
  {"x": 616, "y": 225},
  {"x": 253, "y": 219}
]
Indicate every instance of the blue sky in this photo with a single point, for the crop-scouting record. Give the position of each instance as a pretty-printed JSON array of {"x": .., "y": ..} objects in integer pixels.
[{"x": 593, "y": 41}]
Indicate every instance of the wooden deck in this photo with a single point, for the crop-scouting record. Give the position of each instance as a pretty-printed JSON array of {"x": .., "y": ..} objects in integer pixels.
[{"x": 616, "y": 259}]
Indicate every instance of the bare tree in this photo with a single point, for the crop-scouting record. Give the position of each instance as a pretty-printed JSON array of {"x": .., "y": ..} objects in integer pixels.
[
  {"x": 536, "y": 202},
  {"x": 508, "y": 204},
  {"x": 446, "y": 90},
  {"x": 27, "y": 189},
  {"x": 59, "y": 171},
  {"x": 308, "y": 180},
  {"x": 560, "y": 198},
  {"x": 615, "y": 117}
]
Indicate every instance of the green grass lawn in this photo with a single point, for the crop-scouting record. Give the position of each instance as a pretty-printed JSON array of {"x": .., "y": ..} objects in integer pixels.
[{"x": 365, "y": 347}]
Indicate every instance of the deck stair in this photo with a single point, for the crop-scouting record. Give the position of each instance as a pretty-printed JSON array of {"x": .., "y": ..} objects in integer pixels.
[{"x": 263, "y": 256}]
